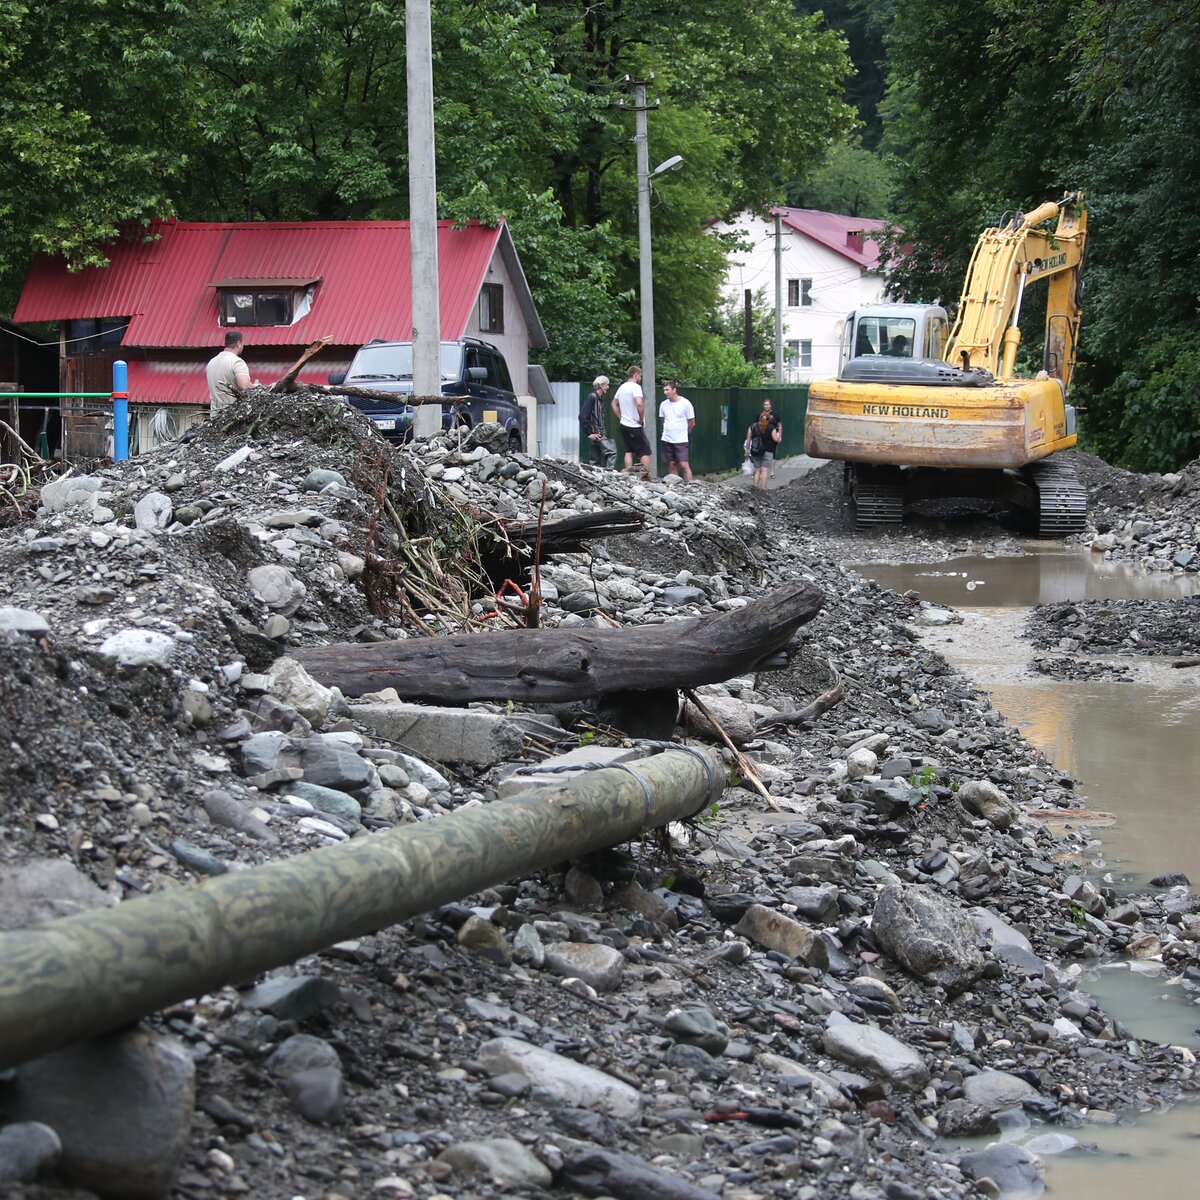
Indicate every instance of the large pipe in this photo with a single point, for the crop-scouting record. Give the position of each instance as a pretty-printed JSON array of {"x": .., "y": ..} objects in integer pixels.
[{"x": 89, "y": 974}]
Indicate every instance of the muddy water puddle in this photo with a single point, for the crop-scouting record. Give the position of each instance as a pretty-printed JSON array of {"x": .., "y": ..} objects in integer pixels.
[
  {"x": 1042, "y": 576},
  {"x": 1131, "y": 741}
]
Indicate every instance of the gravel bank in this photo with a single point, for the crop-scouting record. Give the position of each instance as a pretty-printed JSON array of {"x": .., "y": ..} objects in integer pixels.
[{"x": 817, "y": 997}]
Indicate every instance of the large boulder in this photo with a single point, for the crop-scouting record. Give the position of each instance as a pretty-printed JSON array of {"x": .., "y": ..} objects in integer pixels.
[
  {"x": 982, "y": 798},
  {"x": 927, "y": 936},
  {"x": 122, "y": 1109}
]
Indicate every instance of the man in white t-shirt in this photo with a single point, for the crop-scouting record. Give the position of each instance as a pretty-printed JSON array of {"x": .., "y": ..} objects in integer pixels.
[
  {"x": 228, "y": 375},
  {"x": 678, "y": 419},
  {"x": 630, "y": 410}
]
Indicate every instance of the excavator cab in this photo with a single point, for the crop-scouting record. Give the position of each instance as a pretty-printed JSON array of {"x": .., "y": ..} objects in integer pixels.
[{"x": 910, "y": 331}]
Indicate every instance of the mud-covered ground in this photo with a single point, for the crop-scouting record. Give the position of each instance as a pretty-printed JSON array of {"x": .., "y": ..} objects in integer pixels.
[{"x": 153, "y": 740}]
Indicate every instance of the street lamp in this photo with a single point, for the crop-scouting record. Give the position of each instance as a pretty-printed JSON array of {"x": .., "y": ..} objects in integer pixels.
[{"x": 646, "y": 273}]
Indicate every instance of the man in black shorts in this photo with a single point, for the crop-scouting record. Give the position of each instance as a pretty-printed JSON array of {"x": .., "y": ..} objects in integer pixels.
[{"x": 630, "y": 410}]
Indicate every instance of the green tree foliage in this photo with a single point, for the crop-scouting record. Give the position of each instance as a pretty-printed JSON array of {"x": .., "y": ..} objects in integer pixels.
[
  {"x": 864, "y": 24},
  {"x": 1141, "y": 374},
  {"x": 984, "y": 121},
  {"x": 570, "y": 272},
  {"x": 729, "y": 324},
  {"x": 717, "y": 363},
  {"x": 719, "y": 358},
  {"x": 273, "y": 109},
  {"x": 738, "y": 88},
  {"x": 998, "y": 106},
  {"x": 84, "y": 148},
  {"x": 853, "y": 181}
]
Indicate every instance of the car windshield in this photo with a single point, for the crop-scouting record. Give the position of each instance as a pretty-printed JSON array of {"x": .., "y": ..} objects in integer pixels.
[{"x": 394, "y": 360}]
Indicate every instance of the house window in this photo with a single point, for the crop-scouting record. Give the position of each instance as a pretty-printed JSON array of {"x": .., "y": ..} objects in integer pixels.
[
  {"x": 799, "y": 293},
  {"x": 799, "y": 355},
  {"x": 92, "y": 335},
  {"x": 491, "y": 308},
  {"x": 255, "y": 307},
  {"x": 279, "y": 300}
]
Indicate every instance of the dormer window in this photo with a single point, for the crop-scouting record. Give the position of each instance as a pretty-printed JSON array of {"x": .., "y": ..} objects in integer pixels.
[
  {"x": 259, "y": 302},
  {"x": 256, "y": 308}
]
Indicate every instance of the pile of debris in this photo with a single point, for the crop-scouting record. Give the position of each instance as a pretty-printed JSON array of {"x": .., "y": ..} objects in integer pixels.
[{"x": 867, "y": 948}]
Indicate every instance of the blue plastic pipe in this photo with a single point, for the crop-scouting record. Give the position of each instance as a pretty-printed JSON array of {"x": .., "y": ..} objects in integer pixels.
[{"x": 120, "y": 403}]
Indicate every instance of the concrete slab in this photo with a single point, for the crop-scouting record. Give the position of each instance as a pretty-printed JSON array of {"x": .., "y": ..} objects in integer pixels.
[{"x": 444, "y": 735}]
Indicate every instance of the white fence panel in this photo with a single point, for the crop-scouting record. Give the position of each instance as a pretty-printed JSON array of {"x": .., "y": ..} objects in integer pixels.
[{"x": 558, "y": 424}]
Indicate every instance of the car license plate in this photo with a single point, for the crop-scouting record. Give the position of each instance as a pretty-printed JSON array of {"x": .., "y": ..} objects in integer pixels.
[
  {"x": 490, "y": 414},
  {"x": 384, "y": 422}
]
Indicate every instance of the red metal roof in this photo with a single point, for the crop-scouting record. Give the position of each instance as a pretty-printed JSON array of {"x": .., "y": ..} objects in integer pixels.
[
  {"x": 186, "y": 382},
  {"x": 164, "y": 285},
  {"x": 837, "y": 233}
]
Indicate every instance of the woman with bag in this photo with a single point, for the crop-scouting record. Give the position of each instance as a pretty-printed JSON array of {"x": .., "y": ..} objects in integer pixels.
[{"x": 761, "y": 439}]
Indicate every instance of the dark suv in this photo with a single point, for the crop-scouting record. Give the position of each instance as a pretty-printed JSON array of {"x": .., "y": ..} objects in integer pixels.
[{"x": 471, "y": 369}]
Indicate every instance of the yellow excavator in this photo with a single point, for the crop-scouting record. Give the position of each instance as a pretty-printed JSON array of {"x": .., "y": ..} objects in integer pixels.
[{"x": 920, "y": 410}]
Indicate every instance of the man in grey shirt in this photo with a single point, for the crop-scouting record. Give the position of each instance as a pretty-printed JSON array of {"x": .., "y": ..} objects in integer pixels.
[{"x": 228, "y": 376}]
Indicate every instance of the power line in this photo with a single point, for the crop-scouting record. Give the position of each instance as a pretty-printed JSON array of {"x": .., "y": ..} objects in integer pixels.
[{"x": 87, "y": 337}]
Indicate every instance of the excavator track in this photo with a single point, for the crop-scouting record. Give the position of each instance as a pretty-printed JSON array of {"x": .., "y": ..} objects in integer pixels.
[
  {"x": 878, "y": 496},
  {"x": 1062, "y": 499},
  {"x": 1049, "y": 489}
]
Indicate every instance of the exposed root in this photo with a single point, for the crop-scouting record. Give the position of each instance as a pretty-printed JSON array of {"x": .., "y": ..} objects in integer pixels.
[{"x": 810, "y": 712}]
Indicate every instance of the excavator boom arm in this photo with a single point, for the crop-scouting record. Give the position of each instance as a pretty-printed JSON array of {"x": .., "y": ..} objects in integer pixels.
[{"x": 1005, "y": 259}]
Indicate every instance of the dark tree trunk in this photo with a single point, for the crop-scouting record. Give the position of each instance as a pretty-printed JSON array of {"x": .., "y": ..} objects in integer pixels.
[{"x": 550, "y": 665}]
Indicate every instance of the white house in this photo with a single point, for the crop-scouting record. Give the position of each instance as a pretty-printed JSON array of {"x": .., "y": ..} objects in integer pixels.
[{"x": 830, "y": 267}]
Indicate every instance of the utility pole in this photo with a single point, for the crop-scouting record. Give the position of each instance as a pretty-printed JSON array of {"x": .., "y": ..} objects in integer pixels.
[
  {"x": 422, "y": 204},
  {"x": 645, "y": 269},
  {"x": 778, "y": 300}
]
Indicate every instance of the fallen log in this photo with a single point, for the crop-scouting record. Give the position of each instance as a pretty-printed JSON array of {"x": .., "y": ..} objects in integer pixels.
[
  {"x": 95, "y": 972},
  {"x": 344, "y": 389},
  {"x": 569, "y": 535},
  {"x": 509, "y": 551},
  {"x": 552, "y": 665}
]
